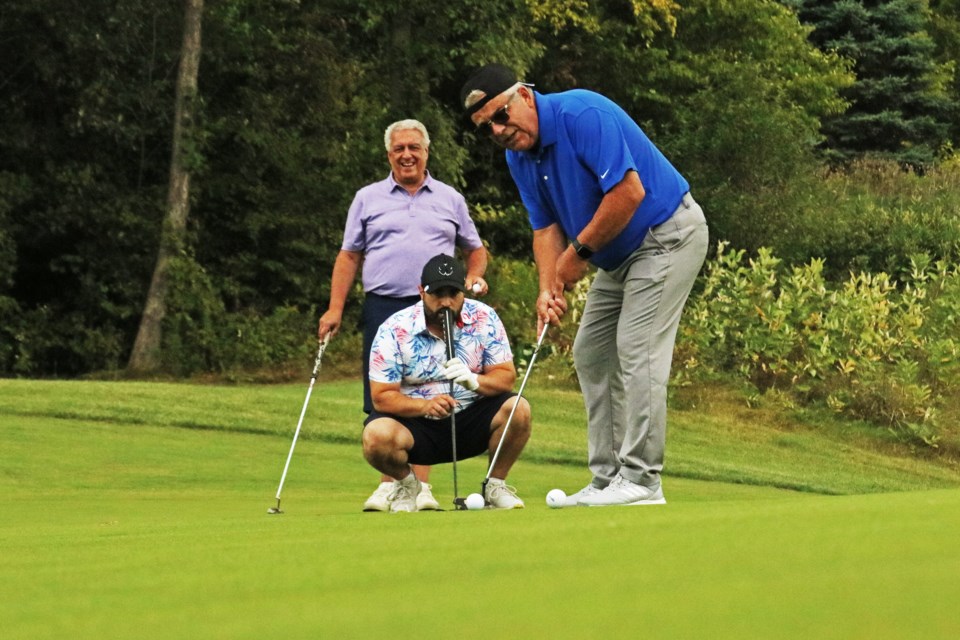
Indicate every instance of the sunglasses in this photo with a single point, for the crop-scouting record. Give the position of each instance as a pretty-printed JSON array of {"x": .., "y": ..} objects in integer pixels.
[{"x": 501, "y": 116}]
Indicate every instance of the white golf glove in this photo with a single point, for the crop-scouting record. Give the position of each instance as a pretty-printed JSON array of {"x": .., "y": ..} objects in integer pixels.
[{"x": 456, "y": 369}]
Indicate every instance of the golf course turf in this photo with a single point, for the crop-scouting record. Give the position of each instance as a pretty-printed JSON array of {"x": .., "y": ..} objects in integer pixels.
[{"x": 125, "y": 517}]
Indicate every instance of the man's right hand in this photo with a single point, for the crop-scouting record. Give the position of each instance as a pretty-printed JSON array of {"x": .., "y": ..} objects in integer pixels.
[
  {"x": 439, "y": 407},
  {"x": 329, "y": 324},
  {"x": 551, "y": 307}
]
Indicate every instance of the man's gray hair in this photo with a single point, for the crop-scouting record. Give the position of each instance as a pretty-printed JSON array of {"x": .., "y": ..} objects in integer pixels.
[{"x": 405, "y": 125}]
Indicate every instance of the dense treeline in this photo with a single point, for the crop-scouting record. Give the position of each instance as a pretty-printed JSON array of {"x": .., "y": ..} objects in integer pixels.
[{"x": 293, "y": 100}]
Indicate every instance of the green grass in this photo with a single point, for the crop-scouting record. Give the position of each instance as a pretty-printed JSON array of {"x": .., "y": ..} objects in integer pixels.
[{"x": 139, "y": 510}]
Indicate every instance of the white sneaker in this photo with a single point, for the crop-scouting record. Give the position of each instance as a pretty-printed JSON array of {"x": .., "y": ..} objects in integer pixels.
[
  {"x": 404, "y": 496},
  {"x": 425, "y": 499},
  {"x": 500, "y": 496},
  {"x": 573, "y": 499},
  {"x": 623, "y": 492},
  {"x": 380, "y": 499}
]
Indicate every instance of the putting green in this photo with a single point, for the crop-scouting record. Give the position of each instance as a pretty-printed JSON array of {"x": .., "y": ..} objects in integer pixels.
[{"x": 112, "y": 530}]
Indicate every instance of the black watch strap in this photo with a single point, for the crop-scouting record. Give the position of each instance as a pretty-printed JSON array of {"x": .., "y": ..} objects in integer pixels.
[{"x": 583, "y": 251}]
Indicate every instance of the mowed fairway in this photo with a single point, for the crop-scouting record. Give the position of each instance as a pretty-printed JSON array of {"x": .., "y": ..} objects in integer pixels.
[{"x": 121, "y": 526}]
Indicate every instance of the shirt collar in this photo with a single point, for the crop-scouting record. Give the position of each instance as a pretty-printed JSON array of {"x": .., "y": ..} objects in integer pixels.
[
  {"x": 546, "y": 120},
  {"x": 419, "y": 320},
  {"x": 394, "y": 185}
]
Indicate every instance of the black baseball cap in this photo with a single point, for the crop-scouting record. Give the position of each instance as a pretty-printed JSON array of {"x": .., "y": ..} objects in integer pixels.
[
  {"x": 492, "y": 79},
  {"x": 443, "y": 271}
]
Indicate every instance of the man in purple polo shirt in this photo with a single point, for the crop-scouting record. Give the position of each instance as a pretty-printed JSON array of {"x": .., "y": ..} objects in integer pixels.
[
  {"x": 393, "y": 227},
  {"x": 598, "y": 191}
]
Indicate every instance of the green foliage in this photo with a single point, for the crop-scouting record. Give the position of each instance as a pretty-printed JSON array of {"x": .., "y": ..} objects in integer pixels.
[
  {"x": 275, "y": 184},
  {"x": 294, "y": 98},
  {"x": 870, "y": 216},
  {"x": 513, "y": 293},
  {"x": 85, "y": 145},
  {"x": 865, "y": 347},
  {"x": 944, "y": 28},
  {"x": 731, "y": 91},
  {"x": 754, "y": 93},
  {"x": 45, "y": 343},
  {"x": 13, "y": 189},
  {"x": 194, "y": 318},
  {"x": 899, "y": 106},
  {"x": 201, "y": 336},
  {"x": 505, "y": 230}
]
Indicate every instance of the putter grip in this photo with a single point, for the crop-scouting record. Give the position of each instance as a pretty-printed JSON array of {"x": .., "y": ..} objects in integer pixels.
[{"x": 448, "y": 332}]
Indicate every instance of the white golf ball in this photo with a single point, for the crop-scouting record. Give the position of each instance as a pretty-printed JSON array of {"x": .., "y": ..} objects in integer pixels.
[
  {"x": 474, "y": 501},
  {"x": 477, "y": 287},
  {"x": 556, "y": 499}
]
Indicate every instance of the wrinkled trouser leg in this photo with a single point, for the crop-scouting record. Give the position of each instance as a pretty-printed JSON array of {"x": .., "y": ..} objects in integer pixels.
[{"x": 624, "y": 347}]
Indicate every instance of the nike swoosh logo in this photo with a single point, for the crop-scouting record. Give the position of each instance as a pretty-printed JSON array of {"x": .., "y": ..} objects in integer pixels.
[{"x": 604, "y": 174}]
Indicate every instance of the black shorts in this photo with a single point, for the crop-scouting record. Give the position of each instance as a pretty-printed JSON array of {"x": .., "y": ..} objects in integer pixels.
[{"x": 432, "y": 441}]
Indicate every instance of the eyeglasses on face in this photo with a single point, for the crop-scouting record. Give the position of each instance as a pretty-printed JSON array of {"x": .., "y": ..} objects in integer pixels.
[{"x": 501, "y": 116}]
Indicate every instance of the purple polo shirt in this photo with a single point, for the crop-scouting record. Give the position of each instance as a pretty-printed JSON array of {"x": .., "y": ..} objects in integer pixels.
[{"x": 399, "y": 233}]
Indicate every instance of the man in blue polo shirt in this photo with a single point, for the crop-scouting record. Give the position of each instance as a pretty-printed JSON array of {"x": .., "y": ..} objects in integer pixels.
[{"x": 598, "y": 191}]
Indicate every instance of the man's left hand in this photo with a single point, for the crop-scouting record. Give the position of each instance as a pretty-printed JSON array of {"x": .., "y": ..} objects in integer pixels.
[
  {"x": 456, "y": 369},
  {"x": 477, "y": 286}
]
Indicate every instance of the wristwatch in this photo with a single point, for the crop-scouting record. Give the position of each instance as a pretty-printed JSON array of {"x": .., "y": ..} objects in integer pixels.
[{"x": 583, "y": 251}]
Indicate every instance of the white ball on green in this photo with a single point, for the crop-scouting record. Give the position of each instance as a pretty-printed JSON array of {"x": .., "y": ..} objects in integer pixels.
[{"x": 556, "y": 499}]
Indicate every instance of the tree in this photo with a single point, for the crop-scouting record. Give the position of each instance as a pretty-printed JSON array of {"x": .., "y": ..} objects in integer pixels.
[
  {"x": 84, "y": 151},
  {"x": 898, "y": 108},
  {"x": 145, "y": 354},
  {"x": 730, "y": 90},
  {"x": 945, "y": 31},
  {"x": 288, "y": 123}
]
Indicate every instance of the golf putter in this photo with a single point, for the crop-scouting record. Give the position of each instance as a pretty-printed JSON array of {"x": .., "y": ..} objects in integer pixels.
[
  {"x": 506, "y": 427},
  {"x": 313, "y": 378},
  {"x": 448, "y": 325}
]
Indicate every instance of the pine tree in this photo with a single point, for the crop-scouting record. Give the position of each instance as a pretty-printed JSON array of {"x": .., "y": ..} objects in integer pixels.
[
  {"x": 898, "y": 108},
  {"x": 945, "y": 31}
]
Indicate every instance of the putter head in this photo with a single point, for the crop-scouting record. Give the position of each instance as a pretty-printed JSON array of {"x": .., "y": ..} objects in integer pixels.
[
  {"x": 460, "y": 504},
  {"x": 275, "y": 510}
]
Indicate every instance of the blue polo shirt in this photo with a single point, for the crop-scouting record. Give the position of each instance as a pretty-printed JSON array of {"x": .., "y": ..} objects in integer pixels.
[{"x": 587, "y": 144}]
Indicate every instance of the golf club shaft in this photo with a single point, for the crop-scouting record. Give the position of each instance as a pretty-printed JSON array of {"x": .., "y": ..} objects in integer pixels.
[
  {"x": 451, "y": 352},
  {"x": 523, "y": 384},
  {"x": 303, "y": 412}
]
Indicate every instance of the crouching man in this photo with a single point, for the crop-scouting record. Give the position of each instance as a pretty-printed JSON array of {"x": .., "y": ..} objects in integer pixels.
[{"x": 410, "y": 377}]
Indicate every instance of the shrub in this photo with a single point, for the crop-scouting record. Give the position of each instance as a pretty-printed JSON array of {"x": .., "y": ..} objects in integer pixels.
[
  {"x": 44, "y": 342},
  {"x": 200, "y": 336},
  {"x": 871, "y": 216},
  {"x": 505, "y": 230},
  {"x": 871, "y": 347}
]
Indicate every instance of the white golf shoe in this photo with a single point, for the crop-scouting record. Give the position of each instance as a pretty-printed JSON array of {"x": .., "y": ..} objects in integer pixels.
[
  {"x": 425, "y": 499},
  {"x": 404, "y": 496},
  {"x": 501, "y": 496},
  {"x": 379, "y": 500},
  {"x": 573, "y": 499},
  {"x": 623, "y": 492}
]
